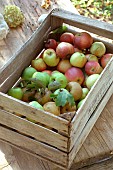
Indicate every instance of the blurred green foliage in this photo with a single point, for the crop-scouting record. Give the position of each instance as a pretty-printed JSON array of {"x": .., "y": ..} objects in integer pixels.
[{"x": 98, "y": 9}]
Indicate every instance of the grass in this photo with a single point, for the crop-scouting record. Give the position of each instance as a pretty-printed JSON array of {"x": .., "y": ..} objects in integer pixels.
[{"x": 101, "y": 10}]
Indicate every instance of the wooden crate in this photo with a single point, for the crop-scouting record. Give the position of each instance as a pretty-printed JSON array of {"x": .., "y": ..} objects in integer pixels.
[{"x": 61, "y": 143}]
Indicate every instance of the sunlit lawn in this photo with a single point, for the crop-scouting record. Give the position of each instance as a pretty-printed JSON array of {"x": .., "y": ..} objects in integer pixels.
[{"x": 99, "y": 9}]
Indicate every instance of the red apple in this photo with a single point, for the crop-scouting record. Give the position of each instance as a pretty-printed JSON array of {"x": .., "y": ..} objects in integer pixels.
[
  {"x": 105, "y": 59},
  {"x": 83, "y": 40},
  {"x": 63, "y": 65},
  {"x": 67, "y": 37},
  {"x": 64, "y": 50},
  {"x": 92, "y": 67},
  {"x": 50, "y": 57},
  {"x": 48, "y": 71},
  {"x": 75, "y": 74},
  {"x": 100, "y": 70},
  {"x": 78, "y": 50},
  {"x": 85, "y": 78},
  {"x": 38, "y": 64},
  {"x": 51, "y": 43}
]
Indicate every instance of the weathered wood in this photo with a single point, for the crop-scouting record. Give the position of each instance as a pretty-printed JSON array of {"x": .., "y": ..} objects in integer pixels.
[
  {"x": 105, "y": 164},
  {"x": 25, "y": 109},
  {"x": 23, "y": 57},
  {"x": 99, "y": 143},
  {"x": 7, "y": 161},
  {"x": 89, "y": 124},
  {"x": 103, "y": 29},
  {"x": 33, "y": 147},
  {"x": 17, "y": 37},
  {"x": 85, "y": 112},
  {"x": 34, "y": 130}
]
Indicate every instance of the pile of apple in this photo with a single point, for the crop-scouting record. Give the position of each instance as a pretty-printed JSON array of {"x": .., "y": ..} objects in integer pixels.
[{"x": 60, "y": 78}]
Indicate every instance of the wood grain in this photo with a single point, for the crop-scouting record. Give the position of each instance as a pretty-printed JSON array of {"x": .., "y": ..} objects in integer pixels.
[
  {"x": 24, "y": 109},
  {"x": 32, "y": 11},
  {"x": 34, "y": 130},
  {"x": 103, "y": 29},
  {"x": 33, "y": 147}
]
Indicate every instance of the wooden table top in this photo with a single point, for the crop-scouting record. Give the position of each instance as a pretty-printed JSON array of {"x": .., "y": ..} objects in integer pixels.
[{"x": 99, "y": 143}]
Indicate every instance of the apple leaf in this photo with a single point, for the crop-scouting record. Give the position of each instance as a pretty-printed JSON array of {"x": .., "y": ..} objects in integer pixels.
[
  {"x": 32, "y": 84},
  {"x": 70, "y": 99},
  {"x": 59, "y": 30},
  {"x": 62, "y": 98},
  {"x": 37, "y": 83},
  {"x": 54, "y": 85}
]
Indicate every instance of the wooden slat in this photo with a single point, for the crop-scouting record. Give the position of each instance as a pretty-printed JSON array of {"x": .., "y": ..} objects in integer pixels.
[
  {"x": 84, "y": 113},
  {"x": 90, "y": 124},
  {"x": 31, "y": 129},
  {"x": 100, "y": 28},
  {"x": 33, "y": 147},
  {"x": 13, "y": 105},
  {"x": 98, "y": 144},
  {"x": 19, "y": 159},
  {"x": 29, "y": 50},
  {"x": 105, "y": 164}
]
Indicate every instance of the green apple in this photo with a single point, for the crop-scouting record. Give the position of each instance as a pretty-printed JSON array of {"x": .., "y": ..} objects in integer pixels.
[
  {"x": 41, "y": 76},
  {"x": 28, "y": 72},
  {"x": 47, "y": 77},
  {"x": 16, "y": 92},
  {"x": 78, "y": 59},
  {"x": 98, "y": 49},
  {"x": 36, "y": 105},
  {"x": 54, "y": 85},
  {"x": 55, "y": 71},
  {"x": 91, "y": 80},
  {"x": 91, "y": 57},
  {"x": 80, "y": 103},
  {"x": 84, "y": 92},
  {"x": 62, "y": 96},
  {"x": 59, "y": 77},
  {"x": 50, "y": 57},
  {"x": 60, "y": 90}
]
